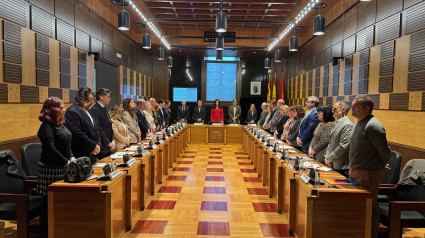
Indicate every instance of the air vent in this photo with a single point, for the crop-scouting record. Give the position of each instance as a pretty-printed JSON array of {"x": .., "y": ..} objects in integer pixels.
[{"x": 209, "y": 36}]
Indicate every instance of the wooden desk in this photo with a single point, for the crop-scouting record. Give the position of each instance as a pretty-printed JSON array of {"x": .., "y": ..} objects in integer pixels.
[
  {"x": 224, "y": 134},
  {"x": 311, "y": 212},
  {"x": 105, "y": 208}
]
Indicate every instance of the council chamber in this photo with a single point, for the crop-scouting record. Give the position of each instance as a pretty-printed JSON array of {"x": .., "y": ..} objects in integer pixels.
[{"x": 212, "y": 118}]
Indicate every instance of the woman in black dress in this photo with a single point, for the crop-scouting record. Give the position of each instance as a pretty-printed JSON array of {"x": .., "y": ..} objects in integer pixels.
[{"x": 55, "y": 142}]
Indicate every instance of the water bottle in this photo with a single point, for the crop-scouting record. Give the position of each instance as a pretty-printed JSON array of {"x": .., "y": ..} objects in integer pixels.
[{"x": 317, "y": 179}]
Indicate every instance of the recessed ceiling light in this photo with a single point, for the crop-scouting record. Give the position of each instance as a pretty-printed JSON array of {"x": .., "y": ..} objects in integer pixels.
[
  {"x": 299, "y": 27},
  {"x": 319, "y": 5},
  {"x": 140, "y": 24},
  {"x": 120, "y": 2}
]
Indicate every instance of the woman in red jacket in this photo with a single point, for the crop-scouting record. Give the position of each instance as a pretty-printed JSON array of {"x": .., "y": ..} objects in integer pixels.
[{"x": 217, "y": 112}]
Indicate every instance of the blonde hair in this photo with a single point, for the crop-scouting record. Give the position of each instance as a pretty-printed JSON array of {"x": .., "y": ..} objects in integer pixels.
[
  {"x": 115, "y": 111},
  {"x": 284, "y": 108}
]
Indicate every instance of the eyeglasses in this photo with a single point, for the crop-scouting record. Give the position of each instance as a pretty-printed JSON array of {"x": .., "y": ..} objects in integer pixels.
[{"x": 308, "y": 102}]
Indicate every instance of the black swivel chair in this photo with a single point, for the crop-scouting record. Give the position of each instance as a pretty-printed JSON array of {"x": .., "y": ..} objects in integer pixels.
[
  {"x": 30, "y": 155},
  {"x": 391, "y": 176},
  {"x": 408, "y": 208},
  {"x": 15, "y": 202}
]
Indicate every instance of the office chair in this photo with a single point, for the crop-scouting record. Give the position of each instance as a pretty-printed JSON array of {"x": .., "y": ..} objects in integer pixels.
[{"x": 31, "y": 154}]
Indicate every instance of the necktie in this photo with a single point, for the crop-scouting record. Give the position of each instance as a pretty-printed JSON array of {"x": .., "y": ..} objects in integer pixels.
[{"x": 107, "y": 115}]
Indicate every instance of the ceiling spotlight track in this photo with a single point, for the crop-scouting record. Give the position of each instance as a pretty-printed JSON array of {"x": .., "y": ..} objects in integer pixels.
[
  {"x": 298, "y": 18},
  {"x": 148, "y": 23}
]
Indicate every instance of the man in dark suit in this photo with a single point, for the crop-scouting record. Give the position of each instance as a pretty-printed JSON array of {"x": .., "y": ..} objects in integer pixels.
[
  {"x": 141, "y": 118},
  {"x": 101, "y": 115},
  {"x": 199, "y": 112},
  {"x": 273, "y": 107},
  {"x": 183, "y": 112},
  {"x": 164, "y": 113},
  {"x": 84, "y": 128},
  {"x": 308, "y": 124}
]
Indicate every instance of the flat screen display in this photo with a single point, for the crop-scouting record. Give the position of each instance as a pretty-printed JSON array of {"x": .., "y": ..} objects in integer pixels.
[
  {"x": 185, "y": 94},
  {"x": 221, "y": 81}
]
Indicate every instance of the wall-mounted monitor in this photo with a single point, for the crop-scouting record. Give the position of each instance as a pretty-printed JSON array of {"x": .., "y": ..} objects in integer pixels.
[{"x": 185, "y": 94}]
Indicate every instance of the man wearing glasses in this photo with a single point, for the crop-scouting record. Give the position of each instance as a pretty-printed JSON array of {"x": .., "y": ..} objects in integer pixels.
[
  {"x": 308, "y": 124},
  {"x": 84, "y": 128}
]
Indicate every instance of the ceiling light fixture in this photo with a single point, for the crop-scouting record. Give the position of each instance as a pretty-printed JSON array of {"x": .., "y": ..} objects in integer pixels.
[
  {"x": 277, "y": 56},
  {"x": 151, "y": 25},
  {"x": 219, "y": 42},
  {"x": 267, "y": 61},
  {"x": 298, "y": 18},
  {"x": 160, "y": 53},
  {"x": 146, "y": 43},
  {"x": 319, "y": 24},
  {"x": 219, "y": 55},
  {"x": 293, "y": 42},
  {"x": 170, "y": 62},
  {"x": 123, "y": 19},
  {"x": 221, "y": 20}
]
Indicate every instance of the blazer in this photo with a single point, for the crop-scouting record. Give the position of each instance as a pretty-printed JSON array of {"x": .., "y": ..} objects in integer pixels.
[
  {"x": 272, "y": 113},
  {"x": 159, "y": 118},
  {"x": 183, "y": 114},
  {"x": 217, "y": 115},
  {"x": 280, "y": 124},
  {"x": 55, "y": 144},
  {"x": 105, "y": 128},
  {"x": 251, "y": 116},
  {"x": 293, "y": 133},
  {"x": 307, "y": 127},
  {"x": 339, "y": 143},
  {"x": 142, "y": 123},
  {"x": 85, "y": 134},
  {"x": 199, "y": 113},
  {"x": 166, "y": 116},
  {"x": 133, "y": 127},
  {"x": 274, "y": 120},
  {"x": 262, "y": 117},
  {"x": 237, "y": 113},
  {"x": 321, "y": 140},
  {"x": 121, "y": 134}
]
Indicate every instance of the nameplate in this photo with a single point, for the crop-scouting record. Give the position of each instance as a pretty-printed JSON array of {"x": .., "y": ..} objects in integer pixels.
[
  {"x": 153, "y": 147},
  {"x": 198, "y": 123},
  {"x": 279, "y": 155},
  {"x": 232, "y": 124},
  {"x": 291, "y": 165},
  {"x": 271, "y": 148},
  {"x": 161, "y": 141},
  {"x": 252, "y": 124},
  {"x": 131, "y": 162},
  {"x": 114, "y": 174},
  {"x": 216, "y": 124},
  {"x": 265, "y": 143},
  {"x": 305, "y": 178}
]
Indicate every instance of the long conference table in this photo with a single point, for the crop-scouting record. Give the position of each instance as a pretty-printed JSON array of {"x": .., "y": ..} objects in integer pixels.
[{"x": 105, "y": 208}]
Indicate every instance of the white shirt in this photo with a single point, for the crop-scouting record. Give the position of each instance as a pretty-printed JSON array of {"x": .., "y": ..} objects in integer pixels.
[{"x": 88, "y": 114}]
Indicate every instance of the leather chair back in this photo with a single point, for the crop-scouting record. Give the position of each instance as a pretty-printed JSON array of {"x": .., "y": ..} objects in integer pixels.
[
  {"x": 392, "y": 176},
  {"x": 30, "y": 155},
  {"x": 10, "y": 183}
]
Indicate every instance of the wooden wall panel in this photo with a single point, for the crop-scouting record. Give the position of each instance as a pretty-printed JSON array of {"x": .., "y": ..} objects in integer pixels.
[
  {"x": 13, "y": 92},
  {"x": 1, "y": 51},
  {"x": 28, "y": 57},
  {"x": 42, "y": 43},
  {"x": 414, "y": 18},
  {"x": 54, "y": 63},
  {"x": 74, "y": 67},
  {"x": 399, "y": 101},
  {"x": 43, "y": 93},
  {"x": 401, "y": 59},
  {"x": 415, "y": 101},
  {"x": 373, "y": 85},
  {"x": 90, "y": 71},
  {"x": 6, "y": 120}
]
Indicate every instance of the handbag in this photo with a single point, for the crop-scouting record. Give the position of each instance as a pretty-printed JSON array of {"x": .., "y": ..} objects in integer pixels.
[{"x": 78, "y": 170}]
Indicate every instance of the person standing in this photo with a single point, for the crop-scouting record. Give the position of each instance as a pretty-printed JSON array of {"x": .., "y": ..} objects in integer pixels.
[
  {"x": 119, "y": 128},
  {"x": 275, "y": 117},
  {"x": 217, "y": 112},
  {"x": 183, "y": 112},
  {"x": 321, "y": 134},
  {"x": 141, "y": 118},
  {"x": 100, "y": 114},
  {"x": 234, "y": 112},
  {"x": 369, "y": 152},
  {"x": 130, "y": 119},
  {"x": 251, "y": 116},
  {"x": 84, "y": 128},
  {"x": 199, "y": 112},
  {"x": 297, "y": 115},
  {"x": 336, "y": 156},
  {"x": 263, "y": 114},
  {"x": 279, "y": 127},
  {"x": 163, "y": 112},
  {"x": 308, "y": 124}
]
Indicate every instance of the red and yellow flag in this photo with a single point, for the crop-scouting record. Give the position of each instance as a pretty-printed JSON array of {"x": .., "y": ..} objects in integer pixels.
[
  {"x": 274, "y": 87},
  {"x": 268, "y": 86}
]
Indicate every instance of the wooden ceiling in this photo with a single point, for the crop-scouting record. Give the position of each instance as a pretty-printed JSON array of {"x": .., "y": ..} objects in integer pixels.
[{"x": 256, "y": 23}]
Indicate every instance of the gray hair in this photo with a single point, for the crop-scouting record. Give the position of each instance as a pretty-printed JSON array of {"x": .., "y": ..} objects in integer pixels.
[
  {"x": 314, "y": 99},
  {"x": 344, "y": 104},
  {"x": 140, "y": 101}
]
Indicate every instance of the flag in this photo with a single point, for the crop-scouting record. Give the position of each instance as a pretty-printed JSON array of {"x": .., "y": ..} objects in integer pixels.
[
  {"x": 268, "y": 86},
  {"x": 281, "y": 86},
  {"x": 274, "y": 87}
]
